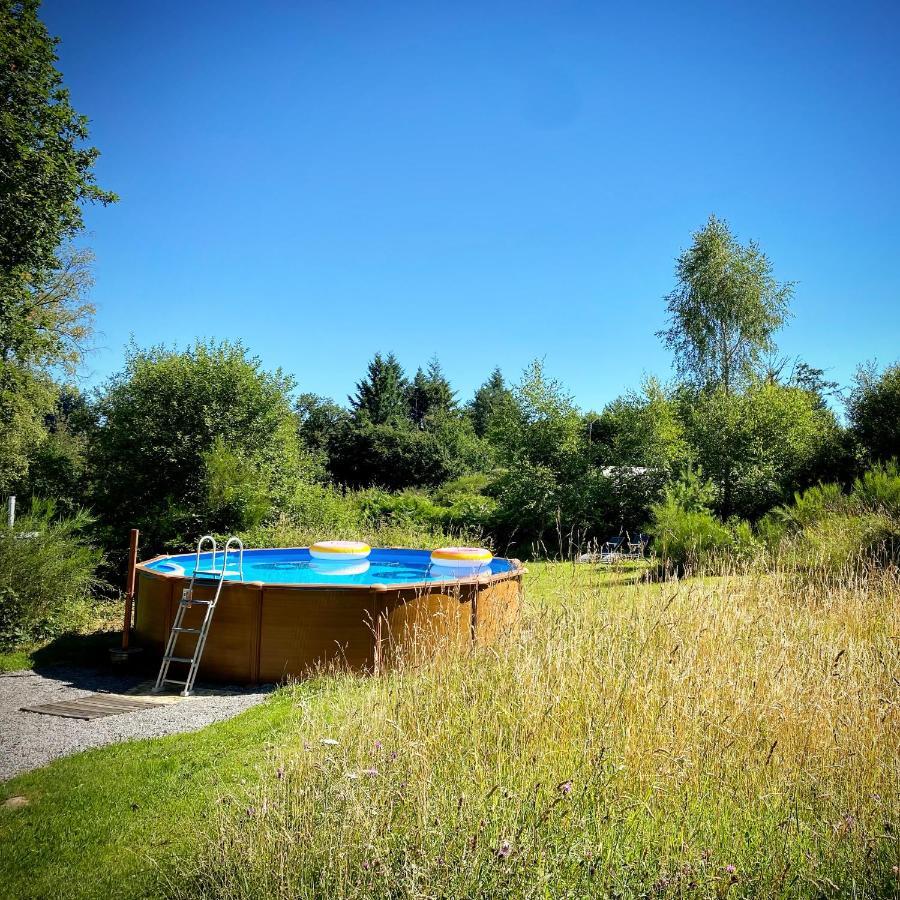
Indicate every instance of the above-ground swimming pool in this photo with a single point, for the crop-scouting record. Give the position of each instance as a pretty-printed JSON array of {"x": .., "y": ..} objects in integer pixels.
[{"x": 288, "y": 614}]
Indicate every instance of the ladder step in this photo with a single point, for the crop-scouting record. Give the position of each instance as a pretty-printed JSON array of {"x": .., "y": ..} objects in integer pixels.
[
  {"x": 173, "y": 681},
  {"x": 188, "y": 630},
  {"x": 190, "y": 602},
  {"x": 185, "y": 659}
]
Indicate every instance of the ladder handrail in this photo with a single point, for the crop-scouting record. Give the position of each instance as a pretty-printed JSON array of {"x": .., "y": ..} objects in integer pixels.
[
  {"x": 211, "y": 539},
  {"x": 240, "y": 550}
]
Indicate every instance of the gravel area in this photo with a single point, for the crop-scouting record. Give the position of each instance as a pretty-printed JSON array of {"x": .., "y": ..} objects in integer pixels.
[{"x": 29, "y": 740}]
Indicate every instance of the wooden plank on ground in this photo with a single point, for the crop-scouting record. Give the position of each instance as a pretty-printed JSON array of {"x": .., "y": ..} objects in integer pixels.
[{"x": 95, "y": 706}]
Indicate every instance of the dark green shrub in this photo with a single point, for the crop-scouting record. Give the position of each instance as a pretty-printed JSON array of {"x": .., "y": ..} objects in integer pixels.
[{"x": 47, "y": 575}]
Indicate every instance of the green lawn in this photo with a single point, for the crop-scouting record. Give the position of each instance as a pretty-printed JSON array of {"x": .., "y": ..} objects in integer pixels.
[{"x": 103, "y": 823}]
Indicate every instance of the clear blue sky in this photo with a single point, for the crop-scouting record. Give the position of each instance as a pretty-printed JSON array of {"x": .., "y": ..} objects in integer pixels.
[{"x": 488, "y": 182}]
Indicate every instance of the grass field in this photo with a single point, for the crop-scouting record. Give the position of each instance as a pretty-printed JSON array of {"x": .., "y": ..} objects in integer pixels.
[{"x": 728, "y": 736}]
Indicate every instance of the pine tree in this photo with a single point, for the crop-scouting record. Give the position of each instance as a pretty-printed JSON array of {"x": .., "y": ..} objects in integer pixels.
[
  {"x": 381, "y": 397},
  {"x": 430, "y": 393},
  {"x": 490, "y": 400}
]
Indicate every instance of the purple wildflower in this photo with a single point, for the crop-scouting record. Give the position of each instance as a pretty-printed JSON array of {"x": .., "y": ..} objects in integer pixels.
[
  {"x": 504, "y": 850},
  {"x": 377, "y": 745},
  {"x": 565, "y": 788},
  {"x": 730, "y": 869}
]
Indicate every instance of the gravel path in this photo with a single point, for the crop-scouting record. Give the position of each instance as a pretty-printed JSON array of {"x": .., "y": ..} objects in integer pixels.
[{"x": 29, "y": 740}]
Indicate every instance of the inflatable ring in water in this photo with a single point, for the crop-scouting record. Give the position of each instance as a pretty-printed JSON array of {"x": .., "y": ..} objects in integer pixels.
[
  {"x": 339, "y": 551},
  {"x": 461, "y": 557}
]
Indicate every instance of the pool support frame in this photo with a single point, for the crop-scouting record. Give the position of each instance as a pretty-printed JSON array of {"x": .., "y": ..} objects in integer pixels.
[{"x": 266, "y": 632}]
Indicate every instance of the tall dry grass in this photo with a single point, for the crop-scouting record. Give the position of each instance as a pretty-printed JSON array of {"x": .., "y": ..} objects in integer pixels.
[{"x": 730, "y": 736}]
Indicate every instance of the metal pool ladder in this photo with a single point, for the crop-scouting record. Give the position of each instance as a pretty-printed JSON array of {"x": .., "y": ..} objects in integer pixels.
[{"x": 211, "y": 574}]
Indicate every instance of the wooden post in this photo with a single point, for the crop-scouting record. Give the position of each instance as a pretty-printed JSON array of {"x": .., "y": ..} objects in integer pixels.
[{"x": 129, "y": 586}]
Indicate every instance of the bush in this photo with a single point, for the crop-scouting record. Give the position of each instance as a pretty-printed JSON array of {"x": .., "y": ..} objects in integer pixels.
[
  {"x": 404, "y": 508},
  {"x": 841, "y": 541},
  {"x": 464, "y": 486},
  {"x": 811, "y": 505},
  {"x": 879, "y": 489},
  {"x": 758, "y": 446},
  {"x": 825, "y": 529},
  {"x": 47, "y": 574},
  {"x": 238, "y": 492},
  {"x": 688, "y": 538}
]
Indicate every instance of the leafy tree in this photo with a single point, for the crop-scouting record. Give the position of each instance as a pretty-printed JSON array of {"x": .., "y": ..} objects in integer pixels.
[
  {"x": 540, "y": 441},
  {"x": 58, "y": 469},
  {"x": 24, "y": 399},
  {"x": 640, "y": 429},
  {"x": 43, "y": 327},
  {"x": 45, "y": 171},
  {"x": 724, "y": 310},
  {"x": 319, "y": 420},
  {"x": 430, "y": 393},
  {"x": 381, "y": 397},
  {"x": 387, "y": 456},
  {"x": 542, "y": 424},
  {"x": 874, "y": 412},
  {"x": 176, "y": 426},
  {"x": 759, "y": 446},
  {"x": 46, "y": 174},
  {"x": 493, "y": 401}
]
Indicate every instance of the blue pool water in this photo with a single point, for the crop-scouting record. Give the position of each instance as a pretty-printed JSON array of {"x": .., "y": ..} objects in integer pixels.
[{"x": 296, "y": 566}]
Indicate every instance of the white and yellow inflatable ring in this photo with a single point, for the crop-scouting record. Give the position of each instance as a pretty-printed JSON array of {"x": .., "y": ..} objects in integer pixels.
[
  {"x": 461, "y": 557},
  {"x": 339, "y": 551}
]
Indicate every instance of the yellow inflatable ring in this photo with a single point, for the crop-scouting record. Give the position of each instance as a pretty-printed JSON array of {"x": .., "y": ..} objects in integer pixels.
[
  {"x": 461, "y": 557},
  {"x": 339, "y": 551}
]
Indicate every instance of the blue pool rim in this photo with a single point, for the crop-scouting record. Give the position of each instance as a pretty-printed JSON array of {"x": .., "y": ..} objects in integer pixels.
[{"x": 516, "y": 569}]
